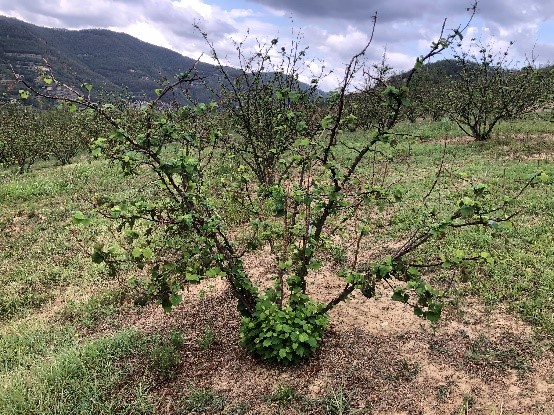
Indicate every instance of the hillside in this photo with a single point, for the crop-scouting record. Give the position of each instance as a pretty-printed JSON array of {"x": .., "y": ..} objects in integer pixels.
[{"x": 111, "y": 61}]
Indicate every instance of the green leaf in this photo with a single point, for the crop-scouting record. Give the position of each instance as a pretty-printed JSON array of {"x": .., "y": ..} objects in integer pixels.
[
  {"x": 400, "y": 295},
  {"x": 467, "y": 211},
  {"x": 215, "y": 272},
  {"x": 187, "y": 219},
  {"x": 193, "y": 278},
  {"x": 432, "y": 316},
  {"x": 312, "y": 342},
  {"x": 480, "y": 189},
  {"x": 326, "y": 122},
  {"x": 136, "y": 253},
  {"x": 413, "y": 272},
  {"x": 79, "y": 218},
  {"x": 96, "y": 152},
  {"x": 315, "y": 265},
  {"x": 302, "y": 142},
  {"x": 47, "y": 80},
  {"x": 544, "y": 178},
  {"x": 166, "y": 305},
  {"x": 175, "y": 299},
  {"x": 23, "y": 94},
  {"x": 284, "y": 265},
  {"x": 147, "y": 253},
  {"x": 115, "y": 211},
  {"x": 294, "y": 97},
  {"x": 398, "y": 194},
  {"x": 487, "y": 257},
  {"x": 368, "y": 290}
]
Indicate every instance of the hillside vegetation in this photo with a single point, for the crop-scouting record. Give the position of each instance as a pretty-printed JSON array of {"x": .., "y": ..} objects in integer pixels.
[{"x": 112, "y": 62}]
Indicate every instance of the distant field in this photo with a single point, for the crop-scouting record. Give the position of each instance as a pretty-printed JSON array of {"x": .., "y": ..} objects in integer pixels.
[{"x": 72, "y": 342}]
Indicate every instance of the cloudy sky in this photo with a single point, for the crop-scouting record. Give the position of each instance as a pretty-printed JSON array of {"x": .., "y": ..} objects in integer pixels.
[{"x": 334, "y": 29}]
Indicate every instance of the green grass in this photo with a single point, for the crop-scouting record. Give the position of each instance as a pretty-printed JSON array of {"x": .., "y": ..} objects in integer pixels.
[
  {"x": 283, "y": 394},
  {"x": 25, "y": 342},
  {"x": 202, "y": 400},
  {"x": 93, "y": 311},
  {"x": 427, "y": 130},
  {"x": 52, "y": 370},
  {"x": 81, "y": 379},
  {"x": 523, "y": 274},
  {"x": 431, "y": 130},
  {"x": 41, "y": 251}
]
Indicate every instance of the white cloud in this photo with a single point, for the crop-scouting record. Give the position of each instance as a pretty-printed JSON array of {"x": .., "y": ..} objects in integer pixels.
[
  {"x": 203, "y": 9},
  {"x": 235, "y": 13},
  {"x": 146, "y": 32},
  {"x": 345, "y": 44},
  {"x": 400, "y": 61},
  {"x": 334, "y": 29}
]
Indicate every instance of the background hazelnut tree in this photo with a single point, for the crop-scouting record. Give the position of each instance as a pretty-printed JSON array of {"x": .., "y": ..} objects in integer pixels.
[
  {"x": 267, "y": 106},
  {"x": 485, "y": 90}
]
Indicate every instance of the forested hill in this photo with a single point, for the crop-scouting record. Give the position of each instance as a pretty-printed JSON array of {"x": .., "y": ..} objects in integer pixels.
[
  {"x": 435, "y": 73},
  {"x": 110, "y": 61}
]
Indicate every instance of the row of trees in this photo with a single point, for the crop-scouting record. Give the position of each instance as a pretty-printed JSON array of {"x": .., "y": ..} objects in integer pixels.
[
  {"x": 29, "y": 134},
  {"x": 295, "y": 176},
  {"x": 475, "y": 90}
]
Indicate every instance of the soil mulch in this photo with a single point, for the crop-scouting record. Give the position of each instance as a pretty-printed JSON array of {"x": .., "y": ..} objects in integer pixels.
[{"x": 377, "y": 358}]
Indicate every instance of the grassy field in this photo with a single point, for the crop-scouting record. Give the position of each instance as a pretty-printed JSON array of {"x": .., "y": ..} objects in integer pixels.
[{"x": 71, "y": 341}]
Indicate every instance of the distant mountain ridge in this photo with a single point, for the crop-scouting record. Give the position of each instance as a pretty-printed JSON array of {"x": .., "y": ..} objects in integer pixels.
[{"x": 110, "y": 61}]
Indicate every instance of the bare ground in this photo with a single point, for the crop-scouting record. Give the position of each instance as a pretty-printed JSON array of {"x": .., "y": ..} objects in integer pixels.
[{"x": 377, "y": 358}]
